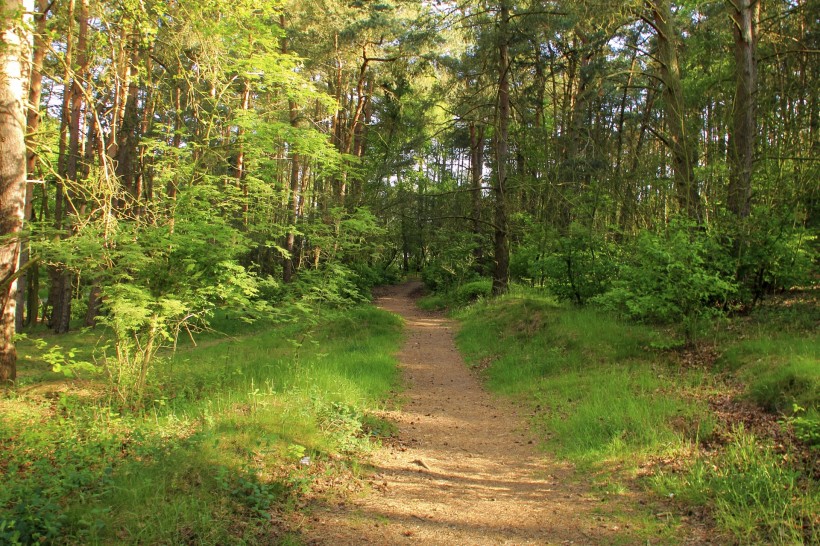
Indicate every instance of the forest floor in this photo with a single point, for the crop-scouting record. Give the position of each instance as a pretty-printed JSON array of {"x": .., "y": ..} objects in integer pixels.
[{"x": 463, "y": 467}]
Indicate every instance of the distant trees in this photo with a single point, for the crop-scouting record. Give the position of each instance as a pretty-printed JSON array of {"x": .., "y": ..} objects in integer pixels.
[
  {"x": 622, "y": 118},
  {"x": 298, "y": 150}
]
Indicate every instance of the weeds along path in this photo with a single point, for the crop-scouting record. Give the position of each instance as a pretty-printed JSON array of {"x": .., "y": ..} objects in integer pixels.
[{"x": 463, "y": 471}]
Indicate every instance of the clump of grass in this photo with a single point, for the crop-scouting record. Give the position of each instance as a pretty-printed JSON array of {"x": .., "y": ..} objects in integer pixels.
[
  {"x": 234, "y": 428},
  {"x": 753, "y": 494},
  {"x": 778, "y": 369},
  {"x": 604, "y": 391},
  {"x": 457, "y": 296}
]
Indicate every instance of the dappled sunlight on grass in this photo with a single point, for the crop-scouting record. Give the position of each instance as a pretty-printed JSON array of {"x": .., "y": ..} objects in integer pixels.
[{"x": 217, "y": 445}]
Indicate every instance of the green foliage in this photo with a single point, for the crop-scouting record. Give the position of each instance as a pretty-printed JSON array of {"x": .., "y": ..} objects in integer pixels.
[
  {"x": 454, "y": 264},
  {"x": 458, "y": 296},
  {"x": 807, "y": 430},
  {"x": 772, "y": 252},
  {"x": 671, "y": 278},
  {"x": 576, "y": 266},
  {"x": 754, "y": 495}
]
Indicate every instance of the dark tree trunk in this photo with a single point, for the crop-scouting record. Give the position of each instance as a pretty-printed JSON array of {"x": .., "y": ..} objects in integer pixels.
[
  {"x": 64, "y": 289},
  {"x": 744, "y": 15},
  {"x": 501, "y": 247},
  {"x": 682, "y": 140},
  {"x": 476, "y": 176}
]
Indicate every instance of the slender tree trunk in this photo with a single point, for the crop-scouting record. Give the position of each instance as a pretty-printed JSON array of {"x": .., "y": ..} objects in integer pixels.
[
  {"x": 61, "y": 317},
  {"x": 744, "y": 15},
  {"x": 682, "y": 140},
  {"x": 56, "y": 278},
  {"x": 128, "y": 138},
  {"x": 294, "y": 187},
  {"x": 15, "y": 63},
  {"x": 32, "y": 124},
  {"x": 476, "y": 176},
  {"x": 502, "y": 249},
  {"x": 239, "y": 171}
]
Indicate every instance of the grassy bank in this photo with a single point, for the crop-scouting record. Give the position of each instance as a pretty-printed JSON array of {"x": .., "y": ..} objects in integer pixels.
[
  {"x": 235, "y": 430},
  {"x": 612, "y": 398}
]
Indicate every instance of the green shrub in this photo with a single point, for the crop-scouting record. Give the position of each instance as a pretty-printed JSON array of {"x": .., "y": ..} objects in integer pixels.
[
  {"x": 772, "y": 251},
  {"x": 454, "y": 264},
  {"x": 672, "y": 278},
  {"x": 577, "y": 266},
  {"x": 472, "y": 291}
]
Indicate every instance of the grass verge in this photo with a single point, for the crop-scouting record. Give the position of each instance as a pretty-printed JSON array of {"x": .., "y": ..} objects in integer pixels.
[
  {"x": 605, "y": 395},
  {"x": 237, "y": 430}
]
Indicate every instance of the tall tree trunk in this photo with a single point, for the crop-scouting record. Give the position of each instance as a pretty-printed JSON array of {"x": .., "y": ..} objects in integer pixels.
[
  {"x": 681, "y": 140},
  {"x": 501, "y": 247},
  {"x": 293, "y": 187},
  {"x": 32, "y": 124},
  {"x": 239, "y": 170},
  {"x": 15, "y": 63},
  {"x": 56, "y": 278},
  {"x": 745, "y": 15},
  {"x": 476, "y": 176},
  {"x": 61, "y": 317},
  {"x": 128, "y": 138}
]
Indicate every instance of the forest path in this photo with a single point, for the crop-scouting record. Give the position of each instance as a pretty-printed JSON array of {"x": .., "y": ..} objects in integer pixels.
[{"x": 463, "y": 471}]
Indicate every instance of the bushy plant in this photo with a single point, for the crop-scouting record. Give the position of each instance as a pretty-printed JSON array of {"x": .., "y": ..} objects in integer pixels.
[
  {"x": 472, "y": 291},
  {"x": 155, "y": 279},
  {"x": 673, "y": 277},
  {"x": 453, "y": 266},
  {"x": 771, "y": 250},
  {"x": 577, "y": 266}
]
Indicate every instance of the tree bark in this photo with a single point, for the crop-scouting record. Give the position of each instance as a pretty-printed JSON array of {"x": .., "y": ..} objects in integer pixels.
[
  {"x": 682, "y": 140},
  {"x": 63, "y": 289},
  {"x": 15, "y": 63},
  {"x": 501, "y": 247},
  {"x": 745, "y": 15},
  {"x": 476, "y": 176},
  {"x": 293, "y": 188},
  {"x": 32, "y": 124}
]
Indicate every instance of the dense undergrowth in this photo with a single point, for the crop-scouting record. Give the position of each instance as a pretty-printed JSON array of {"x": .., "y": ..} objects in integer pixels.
[
  {"x": 232, "y": 430},
  {"x": 625, "y": 401}
]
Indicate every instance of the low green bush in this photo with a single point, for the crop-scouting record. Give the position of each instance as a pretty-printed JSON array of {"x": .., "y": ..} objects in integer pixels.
[
  {"x": 458, "y": 296},
  {"x": 672, "y": 278}
]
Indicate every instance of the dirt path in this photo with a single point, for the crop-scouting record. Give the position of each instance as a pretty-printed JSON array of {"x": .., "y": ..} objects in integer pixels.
[{"x": 464, "y": 471}]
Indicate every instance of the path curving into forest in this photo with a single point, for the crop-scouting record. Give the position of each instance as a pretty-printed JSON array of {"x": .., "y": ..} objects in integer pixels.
[{"x": 464, "y": 470}]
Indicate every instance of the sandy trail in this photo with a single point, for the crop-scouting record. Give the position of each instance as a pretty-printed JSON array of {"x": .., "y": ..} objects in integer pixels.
[{"x": 464, "y": 470}]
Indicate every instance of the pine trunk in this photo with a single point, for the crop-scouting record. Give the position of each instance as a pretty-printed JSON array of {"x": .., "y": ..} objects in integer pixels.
[
  {"x": 502, "y": 250},
  {"x": 744, "y": 14}
]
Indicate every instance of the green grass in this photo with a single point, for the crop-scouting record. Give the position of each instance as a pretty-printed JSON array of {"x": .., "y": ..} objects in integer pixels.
[
  {"x": 217, "y": 446},
  {"x": 754, "y": 497},
  {"x": 598, "y": 391},
  {"x": 609, "y": 395},
  {"x": 779, "y": 370}
]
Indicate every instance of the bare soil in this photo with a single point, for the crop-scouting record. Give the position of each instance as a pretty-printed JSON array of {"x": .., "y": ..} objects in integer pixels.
[{"x": 464, "y": 469}]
